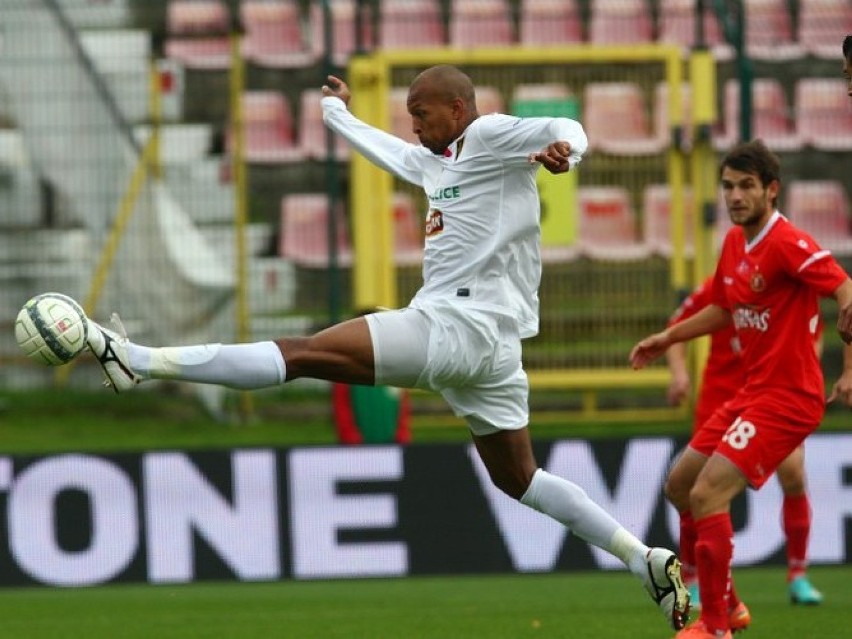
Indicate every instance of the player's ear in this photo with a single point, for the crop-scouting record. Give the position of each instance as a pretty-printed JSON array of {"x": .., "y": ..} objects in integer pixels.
[
  {"x": 459, "y": 110},
  {"x": 773, "y": 188}
]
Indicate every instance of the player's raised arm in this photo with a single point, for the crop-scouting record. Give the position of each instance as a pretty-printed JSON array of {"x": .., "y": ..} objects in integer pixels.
[
  {"x": 386, "y": 151},
  {"x": 557, "y": 143}
]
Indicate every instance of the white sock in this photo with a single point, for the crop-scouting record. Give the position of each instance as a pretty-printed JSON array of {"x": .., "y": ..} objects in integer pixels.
[
  {"x": 242, "y": 366},
  {"x": 569, "y": 504}
]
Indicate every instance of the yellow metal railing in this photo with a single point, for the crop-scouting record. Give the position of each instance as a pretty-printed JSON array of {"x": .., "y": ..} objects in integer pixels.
[{"x": 374, "y": 273}]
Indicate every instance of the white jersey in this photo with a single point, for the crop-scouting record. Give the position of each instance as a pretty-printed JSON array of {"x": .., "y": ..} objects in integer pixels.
[{"x": 483, "y": 224}]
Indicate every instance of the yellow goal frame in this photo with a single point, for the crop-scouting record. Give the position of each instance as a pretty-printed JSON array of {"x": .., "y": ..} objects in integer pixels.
[{"x": 374, "y": 281}]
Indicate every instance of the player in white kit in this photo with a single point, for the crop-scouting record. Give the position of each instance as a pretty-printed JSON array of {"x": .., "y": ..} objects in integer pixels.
[{"x": 461, "y": 334}]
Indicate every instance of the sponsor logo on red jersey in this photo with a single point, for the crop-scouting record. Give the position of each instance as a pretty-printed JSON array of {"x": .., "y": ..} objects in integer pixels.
[{"x": 756, "y": 319}]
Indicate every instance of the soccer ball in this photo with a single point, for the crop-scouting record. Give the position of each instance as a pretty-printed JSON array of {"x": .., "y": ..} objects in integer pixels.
[{"x": 51, "y": 329}]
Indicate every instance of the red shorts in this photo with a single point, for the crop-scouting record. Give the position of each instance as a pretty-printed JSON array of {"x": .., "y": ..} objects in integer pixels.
[
  {"x": 710, "y": 398},
  {"x": 755, "y": 436}
]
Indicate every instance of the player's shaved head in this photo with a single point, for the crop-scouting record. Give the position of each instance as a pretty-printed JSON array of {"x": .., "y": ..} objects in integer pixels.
[
  {"x": 442, "y": 105},
  {"x": 445, "y": 83}
]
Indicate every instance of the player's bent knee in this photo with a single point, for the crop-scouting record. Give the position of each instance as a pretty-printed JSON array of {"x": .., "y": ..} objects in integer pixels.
[
  {"x": 512, "y": 482},
  {"x": 677, "y": 492}
]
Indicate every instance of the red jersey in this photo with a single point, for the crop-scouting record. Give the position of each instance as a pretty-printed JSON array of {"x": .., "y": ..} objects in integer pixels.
[
  {"x": 771, "y": 287},
  {"x": 723, "y": 373},
  {"x": 724, "y": 370}
]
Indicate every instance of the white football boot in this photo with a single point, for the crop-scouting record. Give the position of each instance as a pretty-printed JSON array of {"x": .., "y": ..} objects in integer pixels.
[
  {"x": 665, "y": 585},
  {"x": 110, "y": 348}
]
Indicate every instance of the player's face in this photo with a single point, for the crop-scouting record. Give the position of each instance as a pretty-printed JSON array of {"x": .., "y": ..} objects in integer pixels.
[
  {"x": 433, "y": 120},
  {"x": 748, "y": 201}
]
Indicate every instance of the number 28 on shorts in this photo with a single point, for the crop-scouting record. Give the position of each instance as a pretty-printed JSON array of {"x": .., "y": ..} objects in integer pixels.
[{"x": 739, "y": 433}]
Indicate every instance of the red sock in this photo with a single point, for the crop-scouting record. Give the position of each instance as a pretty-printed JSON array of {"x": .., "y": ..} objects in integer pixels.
[
  {"x": 797, "y": 528},
  {"x": 687, "y": 547},
  {"x": 733, "y": 597},
  {"x": 713, "y": 551}
]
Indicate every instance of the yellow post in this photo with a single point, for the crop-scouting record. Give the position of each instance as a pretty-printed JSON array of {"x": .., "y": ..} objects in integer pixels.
[
  {"x": 373, "y": 275},
  {"x": 155, "y": 105},
  {"x": 702, "y": 74},
  {"x": 676, "y": 174},
  {"x": 243, "y": 320}
]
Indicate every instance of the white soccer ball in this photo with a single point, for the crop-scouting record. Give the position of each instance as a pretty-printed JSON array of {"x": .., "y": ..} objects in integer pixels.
[{"x": 51, "y": 329}]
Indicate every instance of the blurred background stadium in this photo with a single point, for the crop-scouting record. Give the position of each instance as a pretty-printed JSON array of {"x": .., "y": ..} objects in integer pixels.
[{"x": 167, "y": 159}]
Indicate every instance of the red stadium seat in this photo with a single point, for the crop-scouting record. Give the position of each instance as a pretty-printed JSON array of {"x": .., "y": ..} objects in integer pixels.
[
  {"x": 480, "y": 23},
  {"x": 197, "y": 17},
  {"x": 824, "y": 114},
  {"x": 616, "y": 119},
  {"x": 344, "y": 18},
  {"x": 198, "y": 34},
  {"x": 607, "y": 225},
  {"x": 400, "y": 118},
  {"x": 312, "y": 130},
  {"x": 821, "y": 209},
  {"x": 411, "y": 24},
  {"x": 620, "y": 22},
  {"x": 662, "y": 127},
  {"x": 549, "y": 99},
  {"x": 656, "y": 205},
  {"x": 273, "y": 34},
  {"x": 771, "y": 116},
  {"x": 676, "y": 25},
  {"x": 489, "y": 100},
  {"x": 550, "y": 23},
  {"x": 304, "y": 231},
  {"x": 769, "y": 31},
  {"x": 822, "y": 25},
  {"x": 268, "y": 126}
]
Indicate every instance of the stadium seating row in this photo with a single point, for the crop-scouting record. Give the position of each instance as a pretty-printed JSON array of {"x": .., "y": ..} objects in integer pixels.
[
  {"x": 619, "y": 124},
  {"x": 608, "y": 227},
  {"x": 278, "y": 35}
]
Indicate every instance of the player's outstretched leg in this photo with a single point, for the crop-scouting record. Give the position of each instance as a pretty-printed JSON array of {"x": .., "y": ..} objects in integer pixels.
[
  {"x": 663, "y": 582},
  {"x": 110, "y": 349},
  {"x": 803, "y": 592},
  {"x": 246, "y": 366},
  {"x": 566, "y": 502}
]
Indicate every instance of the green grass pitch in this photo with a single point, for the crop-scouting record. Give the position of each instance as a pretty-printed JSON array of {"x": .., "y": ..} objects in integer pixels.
[
  {"x": 548, "y": 606},
  {"x": 595, "y": 605}
]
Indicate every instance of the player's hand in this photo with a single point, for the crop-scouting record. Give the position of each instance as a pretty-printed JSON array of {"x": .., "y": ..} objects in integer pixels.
[
  {"x": 842, "y": 389},
  {"x": 337, "y": 88},
  {"x": 554, "y": 157},
  {"x": 678, "y": 391},
  {"x": 649, "y": 349}
]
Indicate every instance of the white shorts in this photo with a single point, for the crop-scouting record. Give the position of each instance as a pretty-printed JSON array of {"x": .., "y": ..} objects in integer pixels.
[{"x": 471, "y": 357}]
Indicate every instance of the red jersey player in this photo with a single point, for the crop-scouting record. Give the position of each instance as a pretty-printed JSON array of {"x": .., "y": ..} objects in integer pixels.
[
  {"x": 722, "y": 377},
  {"x": 768, "y": 281}
]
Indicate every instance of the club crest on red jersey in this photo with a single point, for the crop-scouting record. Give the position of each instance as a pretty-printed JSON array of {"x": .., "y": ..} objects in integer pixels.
[{"x": 758, "y": 282}]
